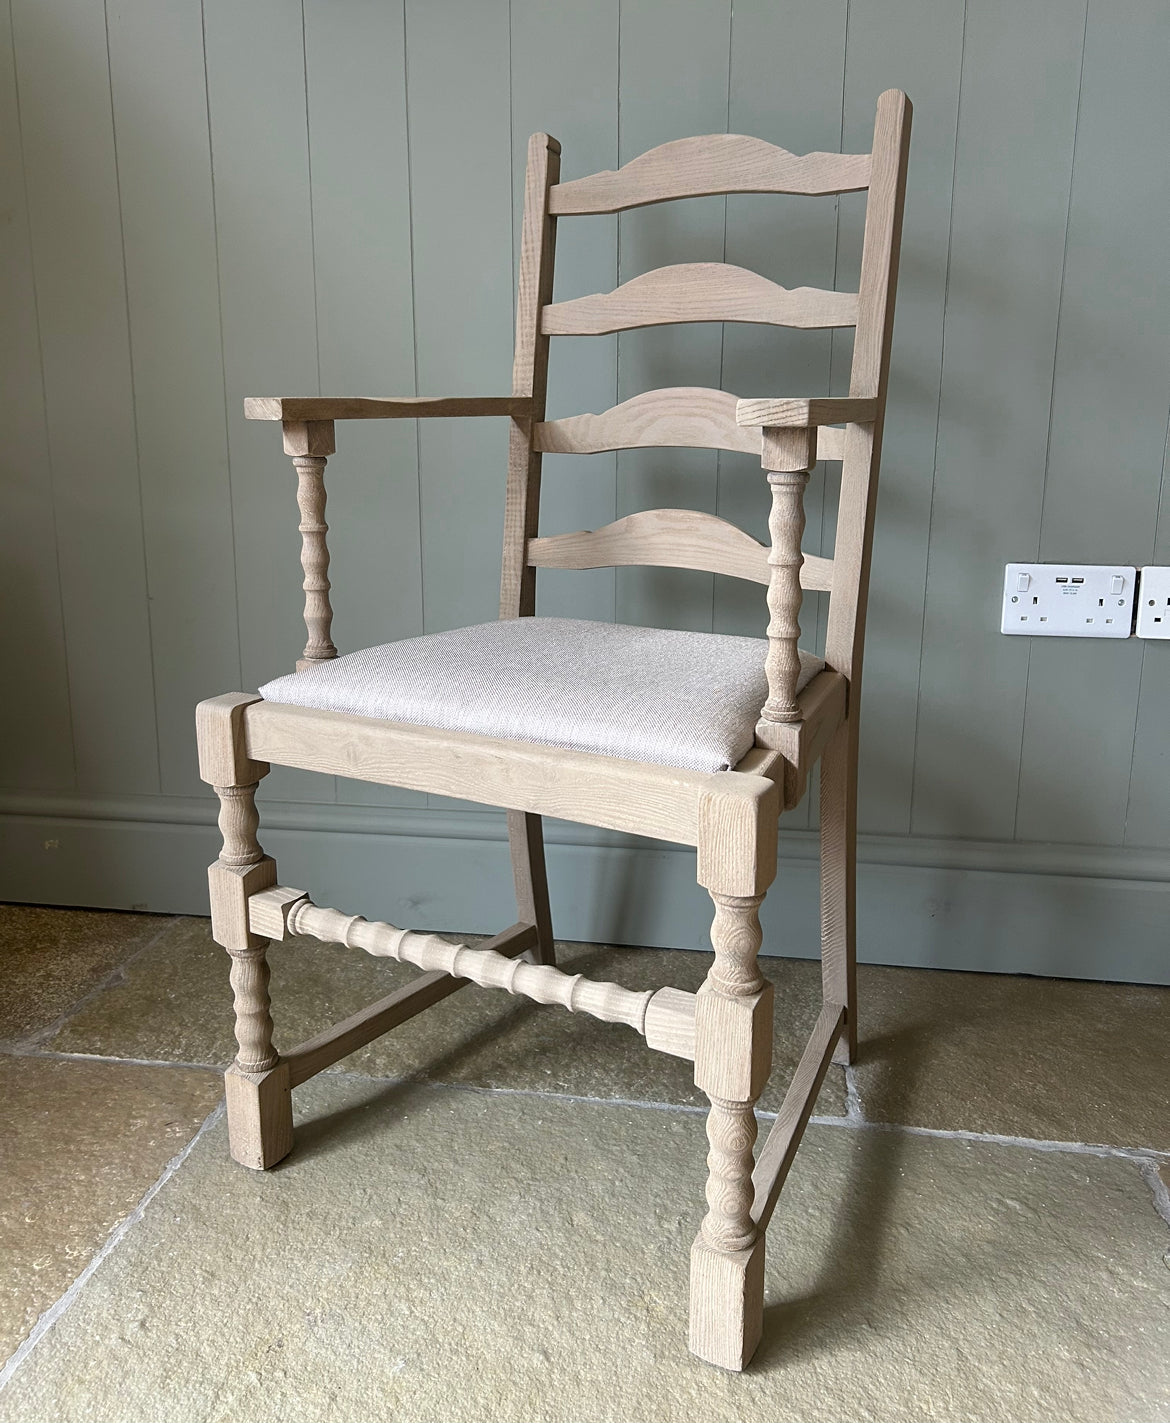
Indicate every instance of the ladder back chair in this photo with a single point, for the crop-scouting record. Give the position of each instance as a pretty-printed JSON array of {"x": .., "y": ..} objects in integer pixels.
[{"x": 694, "y": 738}]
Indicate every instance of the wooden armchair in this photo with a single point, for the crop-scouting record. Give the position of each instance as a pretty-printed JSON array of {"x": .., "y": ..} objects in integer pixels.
[{"x": 698, "y": 738}]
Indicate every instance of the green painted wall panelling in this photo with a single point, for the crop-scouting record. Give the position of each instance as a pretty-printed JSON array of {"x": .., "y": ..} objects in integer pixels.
[{"x": 210, "y": 200}]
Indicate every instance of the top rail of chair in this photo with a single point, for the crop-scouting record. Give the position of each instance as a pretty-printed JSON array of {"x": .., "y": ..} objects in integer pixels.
[{"x": 709, "y": 164}]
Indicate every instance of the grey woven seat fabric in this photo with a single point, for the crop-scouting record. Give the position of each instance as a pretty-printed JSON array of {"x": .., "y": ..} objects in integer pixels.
[{"x": 645, "y": 694}]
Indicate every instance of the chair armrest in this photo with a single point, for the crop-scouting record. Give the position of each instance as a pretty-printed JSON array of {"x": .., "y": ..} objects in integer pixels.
[
  {"x": 313, "y": 408},
  {"x": 804, "y": 413}
]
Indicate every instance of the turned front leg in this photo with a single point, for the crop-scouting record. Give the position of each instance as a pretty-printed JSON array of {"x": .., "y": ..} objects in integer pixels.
[
  {"x": 733, "y": 1057},
  {"x": 259, "y": 1102},
  {"x": 309, "y": 443},
  {"x": 241, "y": 865}
]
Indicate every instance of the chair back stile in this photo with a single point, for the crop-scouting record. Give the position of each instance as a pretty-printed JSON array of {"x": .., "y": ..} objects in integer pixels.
[
  {"x": 869, "y": 376},
  {"x": 529, "y": 377},
  {"x": 697, "y": 417}
]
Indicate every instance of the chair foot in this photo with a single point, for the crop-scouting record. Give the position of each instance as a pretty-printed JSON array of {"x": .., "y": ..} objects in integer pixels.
[
  {"x": 259, "y": 1111},
  {"x": 846, "y": 1051},
  {"x": 727, "y": 1303}
]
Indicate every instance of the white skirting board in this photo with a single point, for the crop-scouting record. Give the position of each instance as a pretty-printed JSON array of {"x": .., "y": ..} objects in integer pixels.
[{"x": 1072, "y": 912}]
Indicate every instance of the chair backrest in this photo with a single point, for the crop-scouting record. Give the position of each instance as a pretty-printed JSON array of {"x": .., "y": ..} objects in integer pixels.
[{"x": 704, "y": 291}]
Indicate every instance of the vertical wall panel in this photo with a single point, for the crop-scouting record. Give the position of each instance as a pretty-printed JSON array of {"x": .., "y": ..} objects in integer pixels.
[
  {"x": 674, "y": 63},
  {"x": 356, "y": 73},
  {"x": 1147, "y": 822},
  {"x": 1109, "y": 413},
  {"x": 168, "y": 220},
  {"x": 461, "y": 195},
  {"x": 564, "y": 82},
  {"x": 458, "y": 74},
  {"x": 67, "y": 129},
  {"x": 1010, "y": 207},
  {"x": 260, "y": 161},
  {"x": 35, "y": 733}
]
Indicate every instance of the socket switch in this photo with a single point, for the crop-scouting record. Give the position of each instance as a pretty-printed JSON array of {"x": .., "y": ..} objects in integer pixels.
[
  {"x": 1153, "y": 620},
  {"x": 1070, "y": 600}
]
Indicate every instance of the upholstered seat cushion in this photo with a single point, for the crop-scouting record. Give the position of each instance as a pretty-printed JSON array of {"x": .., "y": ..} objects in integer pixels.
[{"x": 645, "y": 694}]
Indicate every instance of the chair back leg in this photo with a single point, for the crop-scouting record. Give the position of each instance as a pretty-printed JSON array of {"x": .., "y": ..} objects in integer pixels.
[
  {"x": 526, "y": 840},
  {"x": 839, "y": 881}
]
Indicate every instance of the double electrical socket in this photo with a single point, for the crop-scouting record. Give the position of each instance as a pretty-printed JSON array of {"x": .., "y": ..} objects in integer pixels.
[
  {"x": 1068, "y": 600},
  {"x": 1085, "y": 601}
]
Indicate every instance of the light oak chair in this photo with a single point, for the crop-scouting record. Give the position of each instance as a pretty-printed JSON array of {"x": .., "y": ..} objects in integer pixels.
[{"x": 690, "y": 737}]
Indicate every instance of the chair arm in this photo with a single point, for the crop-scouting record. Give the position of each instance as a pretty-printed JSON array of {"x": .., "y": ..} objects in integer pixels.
[
  {"x": 316, "y": 408},
  {"x": 806, "y": 412}
]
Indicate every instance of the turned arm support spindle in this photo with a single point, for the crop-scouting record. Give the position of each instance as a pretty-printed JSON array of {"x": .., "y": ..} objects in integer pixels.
[
  {"x": 309, "y": 443},
  {"x": 787, "y": 456},
  {"x": 788, "y": 439}
]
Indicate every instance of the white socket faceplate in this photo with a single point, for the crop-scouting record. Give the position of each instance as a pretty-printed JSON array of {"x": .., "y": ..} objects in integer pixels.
[
  {"x": 1068, "y": 600},
  {"x": 1153, "y": 613}
]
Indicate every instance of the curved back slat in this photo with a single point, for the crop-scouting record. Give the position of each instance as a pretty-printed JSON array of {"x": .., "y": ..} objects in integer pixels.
[
  {"x": 693, "y": 416},
  {"x": 699, "y": 291},
  {"x": 678, "y": 415},
  {"x": 670, "y": 539},
  {"x": 714, "y": 163}
]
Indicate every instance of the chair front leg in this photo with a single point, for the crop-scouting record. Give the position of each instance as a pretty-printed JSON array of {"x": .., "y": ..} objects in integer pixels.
[
  {"x": 259, "y": 1093},
  {"x": 733, "y": 1057}
]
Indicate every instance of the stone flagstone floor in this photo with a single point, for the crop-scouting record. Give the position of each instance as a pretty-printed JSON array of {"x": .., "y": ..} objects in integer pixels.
[{"x": 488, "y": 1213}]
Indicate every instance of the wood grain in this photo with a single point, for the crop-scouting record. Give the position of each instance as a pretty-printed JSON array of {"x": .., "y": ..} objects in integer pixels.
[
  {"x": 308, "y": 408},
  {"x": 802, "y": 411},
  {"x": 605, "y": 791},
  {"x": 699, "y": 291},
  {"x": 779, "y": 1149},
  {"x": 332, "y": 1044},
  {"x": 666, "y": 538},
  {"x": 715, "y": 163},
  {"x": 692, "y": 416},
  {"x": 540, "y": 982},
  {"x": 529, "y": 379},
  {"x": 786, "y": 526},
  {"x": 868, "y": 379}
]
